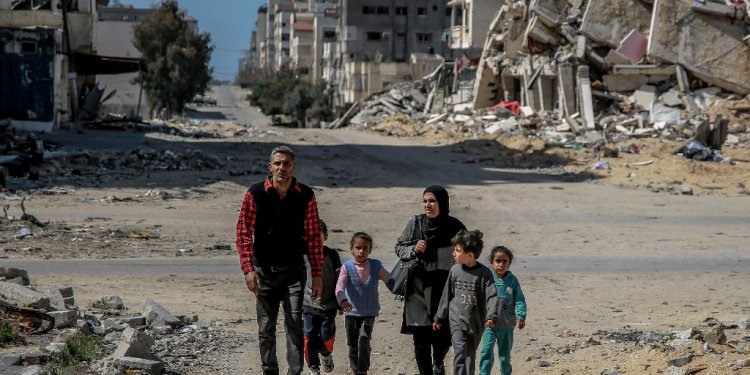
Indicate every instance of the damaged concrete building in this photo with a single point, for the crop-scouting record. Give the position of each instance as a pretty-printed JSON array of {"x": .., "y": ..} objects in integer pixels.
[{"x": 566, "y": 57}]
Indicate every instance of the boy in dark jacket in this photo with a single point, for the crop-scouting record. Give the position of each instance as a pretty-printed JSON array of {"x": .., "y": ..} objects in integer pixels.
[{"x": 319, "y": 315}]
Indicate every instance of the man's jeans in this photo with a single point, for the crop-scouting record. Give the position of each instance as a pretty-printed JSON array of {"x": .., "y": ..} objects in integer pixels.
[{"x": 281, "y": 285}]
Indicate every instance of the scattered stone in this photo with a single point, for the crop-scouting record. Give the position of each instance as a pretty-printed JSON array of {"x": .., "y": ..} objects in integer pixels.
[
  {"x": 156, "y": 315},
  {"x": 23, "y": 296},
  {"x": 679, "y": 360},
  {"x": 109, "y": 302}
]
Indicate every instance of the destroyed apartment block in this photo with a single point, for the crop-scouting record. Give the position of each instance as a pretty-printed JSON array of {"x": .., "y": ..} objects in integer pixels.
[{"x": 582, "y": 61}]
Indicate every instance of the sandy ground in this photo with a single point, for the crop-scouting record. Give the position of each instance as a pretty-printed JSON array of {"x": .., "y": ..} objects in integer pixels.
[{"x": 597, "y": 252}]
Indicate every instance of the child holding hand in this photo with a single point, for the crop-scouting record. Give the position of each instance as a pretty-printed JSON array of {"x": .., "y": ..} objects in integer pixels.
[{"x": 357, "y": 293}]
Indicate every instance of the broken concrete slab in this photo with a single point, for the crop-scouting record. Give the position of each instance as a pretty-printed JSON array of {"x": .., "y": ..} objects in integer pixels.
[
  {"x": 710, "y": 47},
  {"x": 135, "y": 344},
  {"x": 156, "y": 315},
  {"x": 610, "y": 21},
  {"x": 646, "y": 69},
  {"x": 645, "y": 96},
  {"x": 23, "y": 296}
]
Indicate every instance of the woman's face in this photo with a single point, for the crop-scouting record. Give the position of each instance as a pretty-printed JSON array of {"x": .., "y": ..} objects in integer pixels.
[{"x": 430, "y": 205}]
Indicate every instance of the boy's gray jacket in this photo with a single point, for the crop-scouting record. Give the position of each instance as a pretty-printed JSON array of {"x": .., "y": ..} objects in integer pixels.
[
  {"x": 469, "y": 299},
  {"x": 331, "y": 268}
]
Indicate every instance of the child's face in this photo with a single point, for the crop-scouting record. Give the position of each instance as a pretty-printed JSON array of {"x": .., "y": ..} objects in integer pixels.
[
  {"x": 461, "y": 256},
  {"x": 361, "y": 250},
  {"x": 323, "y": 237},
  {"x": 500, "y": 263}
]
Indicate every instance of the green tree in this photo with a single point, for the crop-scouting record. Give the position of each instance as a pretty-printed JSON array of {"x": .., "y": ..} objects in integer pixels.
[{"x": 177, "y": 58}]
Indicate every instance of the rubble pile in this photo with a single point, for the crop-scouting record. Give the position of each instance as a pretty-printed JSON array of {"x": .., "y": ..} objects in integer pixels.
[
  {"x": 587, "y": 72},
  {"x": 149, "y": 341},
  {"x": 404, "y": 98},
  {"x": 714, "y": 346}
]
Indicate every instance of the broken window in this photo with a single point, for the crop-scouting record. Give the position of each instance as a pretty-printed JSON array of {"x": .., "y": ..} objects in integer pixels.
[
  {"x": 382, "y": 10},
  {"x": 424, "y": 37},
  {"x": 369, "y": 9},
  {"x": 285, "y": 37},
  {"x": 374, "y": 35},
  {"x": 422, "y": 12},
  {"x": 329, "y": 35},
  {"x": 28, "y": 47},
  {"x": 400, "y": 11}
]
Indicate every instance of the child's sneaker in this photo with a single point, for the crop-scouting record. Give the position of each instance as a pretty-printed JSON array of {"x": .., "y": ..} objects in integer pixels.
[
  {"x": 327, "y": 362},
  {"x": 314, "y": 371}
]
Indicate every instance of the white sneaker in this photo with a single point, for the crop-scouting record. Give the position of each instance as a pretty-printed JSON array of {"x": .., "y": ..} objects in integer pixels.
[
  {"x": 327, "y": 362},
  {"x": 314, "y": 372}
]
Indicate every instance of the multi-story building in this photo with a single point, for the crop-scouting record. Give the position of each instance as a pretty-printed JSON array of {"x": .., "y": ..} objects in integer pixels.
[
  {"x": 282, "y": 34},
  {"x": 386, "y": 32},
  {"x": 302, "y": 34}
]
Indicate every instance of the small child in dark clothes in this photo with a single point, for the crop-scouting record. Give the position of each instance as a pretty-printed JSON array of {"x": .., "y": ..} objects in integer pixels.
[
  {"x": 469, "y": 301},
  {"x": 319, "y": 316}
]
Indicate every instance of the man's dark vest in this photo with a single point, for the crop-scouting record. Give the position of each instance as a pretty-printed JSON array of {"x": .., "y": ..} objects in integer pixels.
[{"x": 279, "y": 236}]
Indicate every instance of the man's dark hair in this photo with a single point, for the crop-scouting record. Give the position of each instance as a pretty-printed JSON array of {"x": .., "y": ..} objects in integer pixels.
[
  {"x": 470, "y": 240},
  {"x": 282, "y": 150}
]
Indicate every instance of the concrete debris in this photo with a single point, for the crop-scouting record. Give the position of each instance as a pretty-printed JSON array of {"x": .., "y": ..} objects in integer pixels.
[
  {"x": 571, "y": 64},
  {"x": 132, "y": 343}
]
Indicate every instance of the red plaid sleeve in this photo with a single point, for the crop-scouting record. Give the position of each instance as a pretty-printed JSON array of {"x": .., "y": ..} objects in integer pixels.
[
  {"x": 245, "y": 227},
  {"x": 312, "y": 237}
]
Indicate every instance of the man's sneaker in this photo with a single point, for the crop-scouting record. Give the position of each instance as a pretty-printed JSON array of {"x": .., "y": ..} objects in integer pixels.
[
  {"x": 438, "y": 370},
  {"x": 327, "y": 362}
]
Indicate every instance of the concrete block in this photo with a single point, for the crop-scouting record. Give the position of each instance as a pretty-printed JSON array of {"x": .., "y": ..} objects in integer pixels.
[
  {"x": 135, "y": 344},
  {"x": 610, "y": 21},
  {"x": 109, "y": 302},
  {"x": 709, "y": 47},
  {"x": 145, "y": 365},
  {"x": 113, "y": 325},
  {"x": 156, "y": 315},
  {"x": 64, "y": 318},
  {"x": 624, "y": 83},
  {"x": 23, "y": 296},
  {"x": 645, "y": 96},
  {"x": 60, "y": 298}
]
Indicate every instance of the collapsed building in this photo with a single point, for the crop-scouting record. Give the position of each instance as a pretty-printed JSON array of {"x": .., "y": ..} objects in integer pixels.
[
  {"x": 631, "y": 67},
  {"x": 574, "y": 59}
]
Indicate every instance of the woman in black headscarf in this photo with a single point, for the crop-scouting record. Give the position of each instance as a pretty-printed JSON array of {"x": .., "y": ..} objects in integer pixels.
[{"x": 427, "y": 237}]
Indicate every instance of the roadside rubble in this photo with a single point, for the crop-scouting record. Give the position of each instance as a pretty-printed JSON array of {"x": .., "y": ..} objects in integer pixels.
[
  {"x": 717, "y": 346},
  {"x": 593, "y": 73},
  {"x": 149, "y": 340}
]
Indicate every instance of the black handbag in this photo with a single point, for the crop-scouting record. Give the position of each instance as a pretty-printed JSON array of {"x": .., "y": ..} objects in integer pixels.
[
  {"x": 403, "y": 270},
  {"x": 400, "y": 275}
]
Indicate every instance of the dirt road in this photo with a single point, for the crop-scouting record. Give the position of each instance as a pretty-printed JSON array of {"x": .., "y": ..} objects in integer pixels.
[{"x": 589, "y": 256}]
